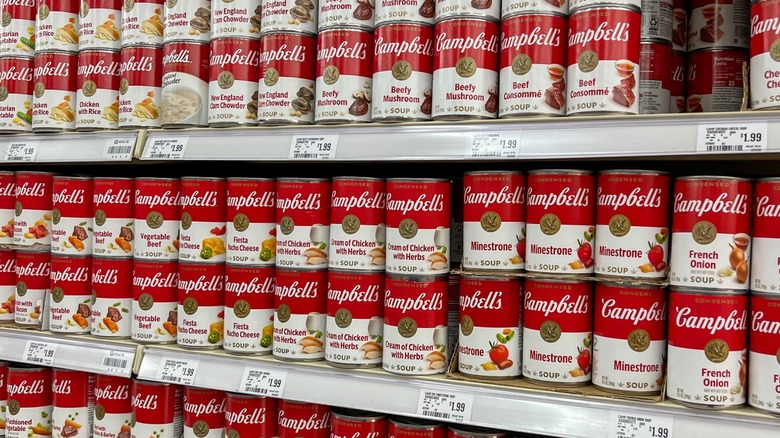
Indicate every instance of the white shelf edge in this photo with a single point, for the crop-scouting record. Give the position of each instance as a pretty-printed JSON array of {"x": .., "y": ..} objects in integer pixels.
[{"x": 74, "y": 147}]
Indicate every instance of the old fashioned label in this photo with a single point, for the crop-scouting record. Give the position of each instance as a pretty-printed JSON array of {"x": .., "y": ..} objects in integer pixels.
[
  {"x": 344, "y": 73},
  {"x": 251, "y": 221},
  {"x": 33, "y": 271},
  {"x": 155, "y": 301},
  {"x": 354, "y": 324},
  {"x": 233, "y": 76},
  {"x": 140, "y": 87},
  {"x": 201, "y": 290},
  {"x": 29, "y": 401},
  {"x": 112, "y": 284},
  {"x": 54, "y": 92},
  {"x": 71, "y": 223},
  {"x": 202, "y": 226},
  {"x": 357, "y": 224},
  {"x": 288, "y": 67},
  {"x": 157, "y": 218},
  {"x": 16, "y": 91},
  {"x": 302, "y": 218},
  {"x": 300, "y": 309},
  {"x": 70, "y": 302},
  {"x": 113, "y": 204},
  {"x": 97, "y": 86},
  {"x": 249, "y": 309}
]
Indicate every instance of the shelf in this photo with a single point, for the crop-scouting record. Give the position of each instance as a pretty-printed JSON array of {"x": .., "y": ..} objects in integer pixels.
[
  {"x": 83, "y": 353},
  {"x": 517, "y": 410},
  {"x": 75, "y": 147}
]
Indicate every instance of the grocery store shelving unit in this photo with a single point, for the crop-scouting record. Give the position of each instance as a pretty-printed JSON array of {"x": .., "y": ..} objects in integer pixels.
[{"x": 71, "y": 147}]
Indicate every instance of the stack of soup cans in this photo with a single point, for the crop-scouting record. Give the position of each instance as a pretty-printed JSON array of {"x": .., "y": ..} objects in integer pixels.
[
  {"x": 655, "y": 56},
  {"x": 764, "y": 68},
  {"x": 17, "y": 50}
]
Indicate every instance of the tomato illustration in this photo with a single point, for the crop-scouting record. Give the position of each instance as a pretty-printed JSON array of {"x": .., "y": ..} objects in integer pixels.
[
  {"x": 656, "y": 254},
  {"x": 585, "y": 251},
  {"x": 583, "y": 360},
  {"x": 498, "y": 352},
  {"x": 520, "y": 247}
]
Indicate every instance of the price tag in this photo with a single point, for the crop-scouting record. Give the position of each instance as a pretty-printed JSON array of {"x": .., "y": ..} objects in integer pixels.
[
  {"x": 322, "y": 147},
  {"x": 41, "y": 353},
  {"x": 118, "y": 363},
  {"x": 445, "y": 406},
  {"x": 119, "y": 149},
  {"x": 21, "y": 151},
  {"x": 624, "y": 425},
  {"x": 742, "y": 137},
  {"x": 181, "y": 371},
  {"x": 263, "y": 382},
  {"x": 166, "y": 148},
  {"x": 493, "y": 145}
]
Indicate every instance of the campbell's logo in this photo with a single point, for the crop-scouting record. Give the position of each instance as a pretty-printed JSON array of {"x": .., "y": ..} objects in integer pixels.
[
  {"x": 477, "y": 300},
  {"x": 101, "y": 68},
  {"x": 299, "y": 202},
  {"x": 61, "y": 69},
  {"x": 9, "y": 189},
  {"x": 297, "y": 289},
  {"x": 365, "y": 200},
  {"x": 735, "y": 321},
  {"x": 70, "y": 275},
  {"x": 480, "y": 42},
  {"x": 567, "y": 304},
  {"x": 565, "y": 197},
  {"x": 140, "y": 63},
  {"x": 168, "y": 198},
  {"x": 66, "y": 196},
  {"x": 253, "y": 286},
  {"x": 8, "y": 267},
  {"x": 769, "y": 25},
  {"x": 422, "y": 203},
  {"x": 344, "y": 50},
  {"x": 146, "y": 402},
  {"x": 722, "y": 204},
  {"x": 61, "y": 387},
  {"x": 209, "y": 408},
  {"x": 253, "y": 200},
  {"x": 13, "y": 73},
  {"x": 656, "y": 312},
  {"x": 505, "y": 195},
  {"x": 244, "y": 416},
  {"x": 618, "y": 32},
  {"x": 35, "y": 190},
  {"x": 109, "y": 197},
  {"x": 204, "y": 283},
  {"x": 285, "y": 52},
  {"x": 177, "y": 56},
  {"x": 636, "y": 198},
  {"x": 421, "y": 302},
  {"x": 196, "y": 199},
  {"x": 760, "y": 325},
  {"x": 692, "y": 72},
  {"x": 298, "y": 424},
  {"x": 538, "y": 36},
  {"x": 415, "y": 47},
  {"x": 678, "y": 74},
  {"x": 764, "y": 207},
  {"x": 105, "y": 276},
  {"x": 356, "y": 294},
  {"x": 32, "y": 269},
  {"x": 27, "y": 3},
  {"x": 28, "y": 388},
  {"x": 238, "y": 57},
  {"x": 121, "y": 392},
  {"x": 157, "y": 281}
]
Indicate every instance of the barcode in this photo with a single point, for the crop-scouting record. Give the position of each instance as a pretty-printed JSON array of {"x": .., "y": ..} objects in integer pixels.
[
  {"x": 161, "y": 156},
  {"x": 114, "y": 362},
  {"x": 262, "y": 391},
  {"x": 434, "y": 414},
  {"x": 486, "y": 154},
  {"x": 304, "y": 155},
  {"x": 16, "y": 158},
  {"x": 36, "y": 359},
  {"x": 721, "y": 148},
  {"x": 120, "y": 149},
  {"x": 173, "y": 379}
]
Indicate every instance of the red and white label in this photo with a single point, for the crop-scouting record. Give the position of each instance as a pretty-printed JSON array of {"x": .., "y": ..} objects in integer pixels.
[
  {"x": 187, "y": 21},
  {"x": 766, "y": 220},
  {"x": 414, "y": 11},
  {"x": 140, "y": 87},
  {"x": 30, "y": 389},
  {"x": 680, "y": 26},
  {"x": 3, "y": 394},
  {"x": 580, "y": 4},
  {"x": 632, "y": 220},
  {"x": 300, "y": 307},
  {"x": 236, "y": 19},
  {"x": 284, "y": 16},
  {"x": 764, "y": 64},
  {"x": 490, "y": 327},
  {"x": 418, "y": 226},
  {"x": 707, "y": 353},
  {"x": 515, "y": 7},
  {"x": 142, "y": 23},
  {"x": 372, "y": 425},
  {"x": 56, "y": 26},
  {"x": 233, "y": 76},
  {"x": 250, "y": 416},
  {"x": 99, "y": 22},
  {"x": 302, "y": 215},
  {"x": 415, "y": 332},
  {"x": 289, "y": 69},
  {"x": 715, "y": 80},
  {"x": 654, "y": 79},
  {"x": 557, "y": 331},
  {"x": 561, "y": 216},
  {"x": 71, "y": 224},
  {"x": 17, "y": 36},
  {"x": 97, "y": 100},
  {"x": 533, "y": 65},
  {"x": 677, "y": 101},
  {"x": 185, "y": 83},
  {"x": 33, "y": 272},
  {"x": 629, "y": 338},
  {"x": 251, "y": 221},
  {"x": 157, "y": 217},
  {"x": 345, "y": 59},
  {"x": 718, "y": 24},
  {"x": 204, "y": 413},
  {"x": 7, "y": 206},
  {"x": 494, "y": 221},
  {"x": 8, "y": 286},
  {"x": 403, "y": 72},
  {"x": 357, "y": 224},
  {"x": 54, "y": 94},
  {"x": 412, "y": 429},
  {"x": 155, "y": 301},
  {"x": 249, "y": 309},
  {"x": 764, "y": 356},
  {"x": 157, "y": 409},
  {"x": 113, "y": 406},
  {"x": 304, "y": 420},
  {"x": 112, "y": 282},
  {"x": 203, "y": 213},
  {"x": 711, "y": 233},
  {"x": 73, "y": 400},
  {"x": 485, "y": 9},
  {"x": 657, "y": 20},
  {"x": 70, "y": 303},
  {"x": 346, "y": 13},
  {"x": 465, "y": 69},
  {"x": 32, "y": 221},
  {"x": 16, "y": 75},
  {"x": 201, "y": 308},
  {"x": 354, "y": 324},
  {"x": 113, "y": 204},
  {"x": 603, "y": 61}
]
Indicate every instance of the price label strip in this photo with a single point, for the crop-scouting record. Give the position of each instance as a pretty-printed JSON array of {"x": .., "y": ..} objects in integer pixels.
[
  {"x": 40, "y": 353},
  {"x": 446, "y": 406},
  {"x": 624, "y": 425},
  {"x": 166, "y": 148},
  {"x": 742, "y": 137},
  {"x": 494, "y": 146},
  {"x": 21, "y": 151},
  {"x": 322, "y": 147},
  {"x": 263, "y": 382},
  {"x": 119, "y": 149},
  {"x": 180, "y": 371},
  {"x": 119, "y": 363}
]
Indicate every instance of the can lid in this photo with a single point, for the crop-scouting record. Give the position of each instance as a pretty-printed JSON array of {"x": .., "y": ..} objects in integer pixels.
[
  {"x": 470, "y": 16},
  {"x": 603, "y": 5},
  {"x": 417, "y": 278},
  {"x": 493, "y": 172},
  {"x": 356, "y": 414},
  {"x": 769, "y": 179},
  {"x": 707, "y": 177},
  {"x": 705, "y": 291},
  {"x": 417, "y": 180},
  {"x": 416, "y": 423},
  {"x": 633, "y": 172},
  {"x": 360, "y": 178},
  {"x": 289, "y": 180},
  {"x": 474, "y": 431},
  {"x": 242, "y": 178},
  {"x": 560, "y": 171}
]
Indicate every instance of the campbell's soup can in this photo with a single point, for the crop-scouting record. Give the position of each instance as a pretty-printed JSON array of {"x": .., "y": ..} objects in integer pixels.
[
  {"x": 236, "y": 19},
  {"x": 71, "y": 223},
  {"x": 201, "y": 308},
  {"x": 112, "y": 284},
  {"x": 403, "y": 72},
  {"x": 140, "y": 87},
  {"x": 766, "y": 219},
  {"x": 247, "y": 415},
  {"x": 632, "y": 223},
  {"x": 289, "y": 70},
  {"x": 7, "y": 206},
  {"x": 412, "y": 11},
  {"x": 7, "y": 286},
  {"x": 142, "y": 23},
  {"x": 763, "y": 364},
  {"x": 357, "y": 424},
  {"x": 357, "y": 224},
  {"x": 185, "y": 84},
  {"x": 415, "y": 331},
  {"x": 251, "y": 221},
  {"x": 202, "y": 227},
  {"x": 3, "y": 394},
  {"x": 204, "y": 413},
  {"x": 16, "y": 86},
  {"x": 97, "y": 99},
  {"x": 680, "y": 25},
  {"x": 715, "y": 81},
  {"x": 533, "y": 59},
  {"x": 677, "y": 67},
  {"x": 187, "y": 21},
  {"x": 155, "y": 301},
  {"x": 56, "y": 26},
  {"x": 157, "y": 410},
  {"x": 233, "y": 86},
  {"x": 657, "y": 20},
  {"x": 711, "y": 232},
  {"x": 418, "y": 226},
  {"x": 249, "y": 309},
  {"x": 300, "y": 310},
  {"x": 73, "y": 403},
  {"x": 718, "y": 23},
  {"x": 302, "y": 218},
  {"x": 289, "y": 16},
  {"x": 113, "y": 204},
  {"x": 344, "y": 75},
  {"x": 99, "y": 22},
  {"x": 304, "y": 420},
  {"x": 490, "y": 327},
  {"x": 485, "y": 9},
  {"x": 29, "y": 402},
  {"x": 707, "y": 354},
  {"x": 629, "y": 338},
  {"x": 474, "y": 432},
  {"x": 764, "y": 67},
  {"x": 70, "y": 304},
  {"x": 17, "y": 35},
  {"x": 557, "y": 331},
  {"x": 33, "y": 214},
  {"x": 354, "y": 323},
  {"x": 33, "y": 272},
  {"x": 561, "y": 219},
  {"x": 465, "y": 69},
  {"x": 403, "y": 427},
  {"x": 494, "y": 220},
  {"x": 54, "y": 94},
  {"x": 113, "y": 407},
  {"x": 510, "y": 8},
  {"x": 353, "y": 14},
  {"x": 654, "y": 77},
  {"x": 157, "y": 217}
]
